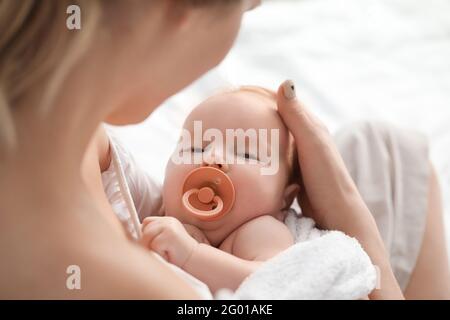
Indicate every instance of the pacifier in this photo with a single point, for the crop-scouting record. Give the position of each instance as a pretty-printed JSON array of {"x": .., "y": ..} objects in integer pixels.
[{"x": 208, "y": 193}]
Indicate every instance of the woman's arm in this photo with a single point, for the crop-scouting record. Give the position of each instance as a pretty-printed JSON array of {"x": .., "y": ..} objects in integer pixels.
[{"x": 331, "y": 197}]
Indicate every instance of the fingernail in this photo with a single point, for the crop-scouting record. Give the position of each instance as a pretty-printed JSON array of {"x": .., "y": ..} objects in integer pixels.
[{"x": 289, "y": 90}]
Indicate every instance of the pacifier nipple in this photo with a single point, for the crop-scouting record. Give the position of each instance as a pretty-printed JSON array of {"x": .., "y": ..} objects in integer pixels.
[
  {"x": 208, "y": 193},
  {"x": 205, "y": 195}
]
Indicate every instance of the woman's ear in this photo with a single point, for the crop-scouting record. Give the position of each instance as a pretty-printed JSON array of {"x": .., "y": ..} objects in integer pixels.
[{"x": 290, "y": 193}]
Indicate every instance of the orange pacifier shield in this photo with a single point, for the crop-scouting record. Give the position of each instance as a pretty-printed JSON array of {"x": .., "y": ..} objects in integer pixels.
[{"x": 208, "y": 193}]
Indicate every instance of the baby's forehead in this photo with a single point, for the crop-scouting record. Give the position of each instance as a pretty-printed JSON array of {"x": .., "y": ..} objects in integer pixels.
[
  {"x": 240, "y": 108},
  {"x": 253, "y": 99}
]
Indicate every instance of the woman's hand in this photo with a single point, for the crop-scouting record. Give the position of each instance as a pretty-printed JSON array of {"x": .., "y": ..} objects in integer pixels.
[
  {"x": 328, "y": 190},
  {"x": 168, "y": 237},
  {"x": 329, "y": 195}
]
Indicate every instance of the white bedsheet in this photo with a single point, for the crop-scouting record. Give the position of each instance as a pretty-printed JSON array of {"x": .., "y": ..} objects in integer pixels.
[{"x": 351, "y": 60}]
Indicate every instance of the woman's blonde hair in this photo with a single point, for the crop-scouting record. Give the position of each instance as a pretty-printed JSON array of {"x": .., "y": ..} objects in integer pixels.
[{"x": 36, "y": 46}]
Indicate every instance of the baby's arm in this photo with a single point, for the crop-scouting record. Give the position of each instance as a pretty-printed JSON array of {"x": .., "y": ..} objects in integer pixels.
[
  {"x": 256, "y": 241},
  {"x": 218, "y": 269},
  {"x": 265, "y": 237}
]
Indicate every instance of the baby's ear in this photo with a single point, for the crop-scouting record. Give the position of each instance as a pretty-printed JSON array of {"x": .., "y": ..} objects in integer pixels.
[{"x": 290, "y": 192}]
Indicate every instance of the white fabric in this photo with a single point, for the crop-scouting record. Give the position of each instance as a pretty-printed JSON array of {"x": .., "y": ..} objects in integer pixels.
[
  {"x": 132, "y": 194},
  {"x": 390, "y": 167}
]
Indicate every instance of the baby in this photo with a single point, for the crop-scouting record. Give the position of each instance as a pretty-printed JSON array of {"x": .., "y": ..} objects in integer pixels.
[{"x": 223, "y": 219}]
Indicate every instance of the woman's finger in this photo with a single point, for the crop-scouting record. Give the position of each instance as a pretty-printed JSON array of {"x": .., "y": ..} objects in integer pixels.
[
  {"x": 327, "y": 184},
  {"x": 295, "y": 114},
  {"x": 289, "y": 106}
]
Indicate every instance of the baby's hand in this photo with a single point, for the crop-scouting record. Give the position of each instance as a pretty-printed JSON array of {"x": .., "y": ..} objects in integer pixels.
[{"x": 168, "y": 237}]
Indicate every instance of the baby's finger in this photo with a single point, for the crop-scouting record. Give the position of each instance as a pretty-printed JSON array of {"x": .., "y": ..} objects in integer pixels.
[
  {"x": 149, "y": 232},
  {"x": 149, "y": 220},
  {"x": 159, "y": 245}
]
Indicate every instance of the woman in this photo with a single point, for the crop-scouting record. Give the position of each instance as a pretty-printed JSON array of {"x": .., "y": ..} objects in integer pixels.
[{"x": 57, "y": 86}]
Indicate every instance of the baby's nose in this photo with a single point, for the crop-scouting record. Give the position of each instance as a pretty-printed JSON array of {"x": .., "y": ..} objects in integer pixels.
[
  {"x": 221, "y": 166},
  {"x": 215, "y": 160}
]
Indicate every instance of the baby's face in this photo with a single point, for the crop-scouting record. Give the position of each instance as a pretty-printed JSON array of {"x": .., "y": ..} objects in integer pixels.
[{"x": 256, "y": 194}]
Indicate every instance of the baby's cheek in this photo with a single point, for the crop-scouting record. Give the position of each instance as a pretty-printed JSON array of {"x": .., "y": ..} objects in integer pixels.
[
  {"x": 169, "y": 199},
  {"x": 172, "y": 190},
  {"x": 257, "y": 194}
]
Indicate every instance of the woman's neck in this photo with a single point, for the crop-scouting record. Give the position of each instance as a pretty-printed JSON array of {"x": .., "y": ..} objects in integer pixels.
[{"x": 49, "y": 149}]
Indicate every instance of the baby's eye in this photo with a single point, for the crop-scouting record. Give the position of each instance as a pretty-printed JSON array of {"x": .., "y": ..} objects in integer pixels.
[
  {"x": 249, "y": 156},
  {"x": 194, "y": 150}
]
